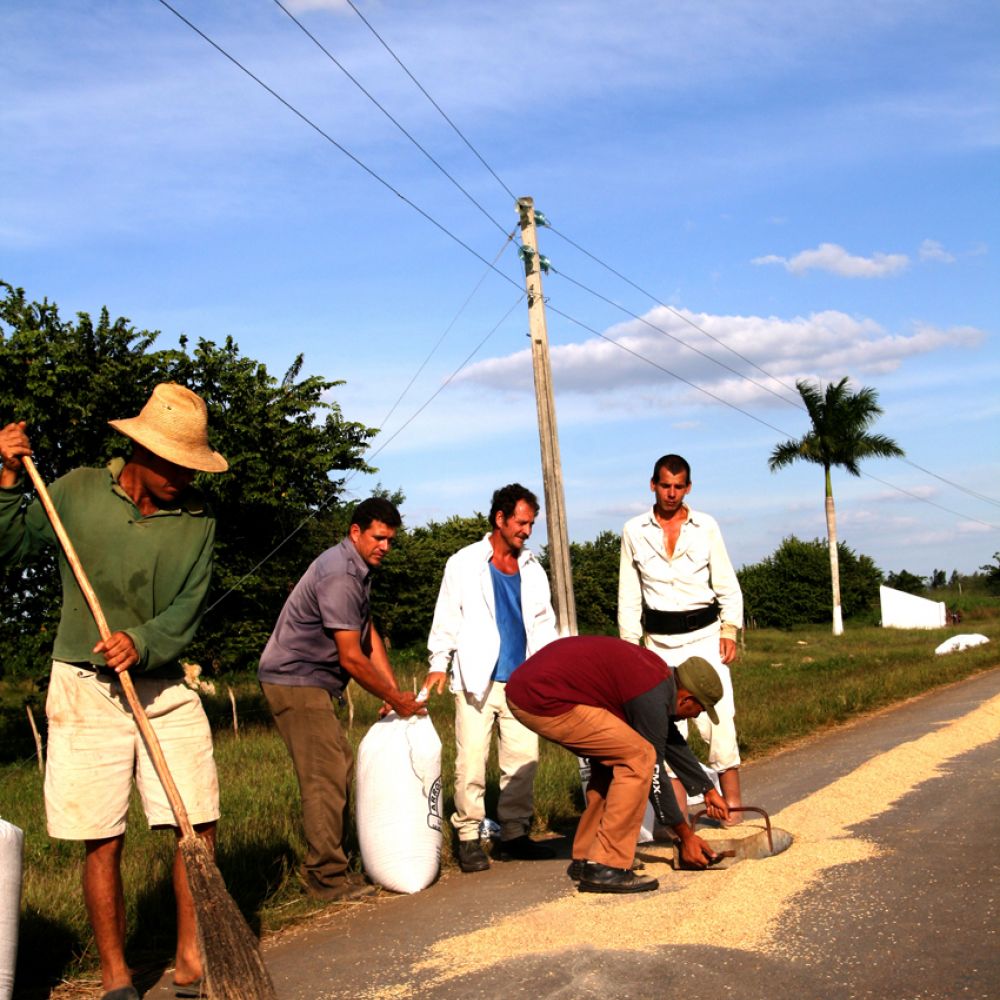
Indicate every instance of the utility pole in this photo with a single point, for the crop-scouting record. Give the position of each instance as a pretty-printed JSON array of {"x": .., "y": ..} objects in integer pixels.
[{"x": 548, "y": 434}]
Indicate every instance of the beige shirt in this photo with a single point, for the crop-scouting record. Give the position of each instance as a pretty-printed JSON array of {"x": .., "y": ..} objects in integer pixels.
[{"x": 698, "y": 573}]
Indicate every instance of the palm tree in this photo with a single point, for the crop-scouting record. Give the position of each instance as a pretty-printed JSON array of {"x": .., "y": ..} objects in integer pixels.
[{"x": 839, "y": 436}]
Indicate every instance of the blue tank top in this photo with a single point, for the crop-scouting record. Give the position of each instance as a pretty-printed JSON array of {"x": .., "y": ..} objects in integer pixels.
[{"x": 510, "y": 623}]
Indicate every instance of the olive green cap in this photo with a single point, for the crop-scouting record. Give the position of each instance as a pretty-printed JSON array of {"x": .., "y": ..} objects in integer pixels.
[{"x": 699, "y": 677}]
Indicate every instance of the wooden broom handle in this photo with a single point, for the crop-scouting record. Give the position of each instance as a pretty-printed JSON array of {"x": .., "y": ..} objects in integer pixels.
[{"x": 148, "y": 735}]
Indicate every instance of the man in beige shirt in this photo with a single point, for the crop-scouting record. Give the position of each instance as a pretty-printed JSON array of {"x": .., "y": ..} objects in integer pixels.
[{"x": 678, "y": 593}]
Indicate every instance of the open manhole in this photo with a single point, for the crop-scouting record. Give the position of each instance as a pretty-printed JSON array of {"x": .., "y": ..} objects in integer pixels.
[{"x": 749, "y": 840}]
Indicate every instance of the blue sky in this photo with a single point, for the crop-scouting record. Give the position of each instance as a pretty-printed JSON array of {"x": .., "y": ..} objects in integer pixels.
[{"x": 812, "y": 185}]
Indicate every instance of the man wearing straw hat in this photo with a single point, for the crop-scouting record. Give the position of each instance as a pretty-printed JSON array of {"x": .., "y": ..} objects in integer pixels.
[{"x": 145, "y": 538}]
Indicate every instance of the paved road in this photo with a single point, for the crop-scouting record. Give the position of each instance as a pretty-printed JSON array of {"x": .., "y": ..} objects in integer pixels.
[{"x": 927, "y": 927}]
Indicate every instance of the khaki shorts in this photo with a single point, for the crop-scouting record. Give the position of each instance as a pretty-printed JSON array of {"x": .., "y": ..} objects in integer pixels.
[{"x": 95, "y": 749}]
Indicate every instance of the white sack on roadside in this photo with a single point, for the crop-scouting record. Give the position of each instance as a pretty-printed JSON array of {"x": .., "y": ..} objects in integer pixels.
[
  {"x": 11, "y": 866},
  {"x": 398, "y": 802},
  {"x": 959, "y": 642}
]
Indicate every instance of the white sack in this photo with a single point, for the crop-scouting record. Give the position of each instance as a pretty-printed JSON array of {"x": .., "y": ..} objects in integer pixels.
[
  {"x": 398, "y": 803},
  {"x": 959, "y": 642},
  {"x": 11, "y": 864}
]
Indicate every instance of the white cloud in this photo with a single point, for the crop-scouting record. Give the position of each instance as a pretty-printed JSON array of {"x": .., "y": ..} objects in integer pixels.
[
  {"x": 974, "y": 528},
  {"x": 932, "y": 250},
  {"x": 647, "y": 363},
  {"x": 835, "y": 259}
]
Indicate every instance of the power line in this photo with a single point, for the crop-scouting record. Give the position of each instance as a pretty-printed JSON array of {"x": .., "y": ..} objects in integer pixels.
[
  {"x": 447, "y": 330},
  {"x": 677, "y": 313},
  {"x": 678, "y": 340},
  {"x": 957, "y": 486},
  {"x": 963, "y": 489},
  {"x": 667, "y": 371},
  {"x": 304, "y": 118},
  {"x": 416, "y": 413},
  {"x": 333, "y": 142},
  {"x": 437, "y": 106},
  {"x": 747, "y": 413},
  {"x": 915, "y": 496},
  {"x": 352, "y": 472},
  {"x": 357, "y": 83}
]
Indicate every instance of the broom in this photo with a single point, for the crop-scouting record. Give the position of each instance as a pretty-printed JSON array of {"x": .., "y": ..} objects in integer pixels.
[{"x": 232, "y": 966}]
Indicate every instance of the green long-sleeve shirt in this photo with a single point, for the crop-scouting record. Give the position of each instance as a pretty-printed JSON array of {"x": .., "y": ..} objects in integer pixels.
[{"x": 150, "y": 574}]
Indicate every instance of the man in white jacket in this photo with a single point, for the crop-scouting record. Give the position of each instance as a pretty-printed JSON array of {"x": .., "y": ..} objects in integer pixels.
[{"x": 493, "y": 611}]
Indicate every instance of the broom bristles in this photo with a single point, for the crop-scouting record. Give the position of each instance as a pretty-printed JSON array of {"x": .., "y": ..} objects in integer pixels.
[{"x": 233, "y": 967}]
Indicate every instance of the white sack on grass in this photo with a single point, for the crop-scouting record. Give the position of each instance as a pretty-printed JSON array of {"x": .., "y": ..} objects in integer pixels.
[
  {"x": 960, "y": 642},
  {"x": 398, "y": 802},
  {"x": 11, "y": 863}
]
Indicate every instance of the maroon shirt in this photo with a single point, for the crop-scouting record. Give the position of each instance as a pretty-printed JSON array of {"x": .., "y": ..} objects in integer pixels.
[
  {"x": 586, "y": 670},
  {"x": 629, "y": 681}
]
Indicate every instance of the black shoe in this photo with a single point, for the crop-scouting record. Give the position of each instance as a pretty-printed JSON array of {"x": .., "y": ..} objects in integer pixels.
[
  {"x": 523, "y": 848},
  {"x": 602, "y": 878},
  {"x": 575, "y": 870},
  {"x": 472, "y": 857}
]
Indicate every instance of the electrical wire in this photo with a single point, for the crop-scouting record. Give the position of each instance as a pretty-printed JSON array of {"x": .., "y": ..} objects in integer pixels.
[
  {"x": 440, "y": 341},
  {"x": 677, "y": 313},
  {"x": 304, "y": 118},
  {"x": 796, "y": 402},
  {"x": 957, "y": 486},
  {"x": 357, "y": 83},
  {"x": 437, "y": 106},
  {"x": 678, "y": 340},
  {"x": 333, "y": 142},
  {"x": 337, "y": 488}
]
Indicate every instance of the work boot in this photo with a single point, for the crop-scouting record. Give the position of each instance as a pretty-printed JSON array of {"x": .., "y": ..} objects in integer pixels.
[
  {"x": 472, "y": 857},
  {"x": 523, "y": 848},
  {"x": 602, "y": 878},
  {"x": 576, "y": 866}
]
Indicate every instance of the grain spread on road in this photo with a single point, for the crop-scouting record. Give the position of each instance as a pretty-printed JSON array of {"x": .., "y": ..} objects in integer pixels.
[{"x": 741, "y": 905}]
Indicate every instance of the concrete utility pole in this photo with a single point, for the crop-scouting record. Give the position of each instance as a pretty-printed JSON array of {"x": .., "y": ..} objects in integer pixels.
[{"x": 548, "y": 434}]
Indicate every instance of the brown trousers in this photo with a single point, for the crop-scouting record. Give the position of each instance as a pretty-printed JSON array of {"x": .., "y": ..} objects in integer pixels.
[
  {"x": 621, "y": 773},
  {"x": 324, "y": 763}
]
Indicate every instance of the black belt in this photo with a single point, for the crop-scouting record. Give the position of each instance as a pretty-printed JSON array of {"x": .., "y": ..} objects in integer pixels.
[{"x": 678, "y": 622}]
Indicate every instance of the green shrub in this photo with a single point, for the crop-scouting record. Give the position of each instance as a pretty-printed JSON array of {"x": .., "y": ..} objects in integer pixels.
[{"x": 792, "y": 586}]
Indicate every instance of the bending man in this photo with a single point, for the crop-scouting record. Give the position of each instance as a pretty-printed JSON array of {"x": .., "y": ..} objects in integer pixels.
[{"x": 617, "y": 704}]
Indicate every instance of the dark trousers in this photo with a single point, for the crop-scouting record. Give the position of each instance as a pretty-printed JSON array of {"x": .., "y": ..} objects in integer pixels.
[{"x": 324, "y": 763}]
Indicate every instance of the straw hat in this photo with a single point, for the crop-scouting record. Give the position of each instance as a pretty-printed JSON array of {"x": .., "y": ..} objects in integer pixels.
[{"x": 174, "y": 425}]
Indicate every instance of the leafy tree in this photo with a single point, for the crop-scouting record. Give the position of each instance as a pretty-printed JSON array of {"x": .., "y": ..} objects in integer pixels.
[
  {"x": 406, "y": 586},
  {"x": 792, "y": 585},
  {"x": 906, "y": 581},
  {"x": 937, "y": 579},
  {"x": 595, "y": 583},
  {"x": 282, "y": 440},
  {"x": 839, "y": 436},
  {"x": 991, "y": 572}
]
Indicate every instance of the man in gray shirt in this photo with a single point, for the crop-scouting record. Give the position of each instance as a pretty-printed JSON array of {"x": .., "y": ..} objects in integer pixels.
[{"x": 325, "y": 637}]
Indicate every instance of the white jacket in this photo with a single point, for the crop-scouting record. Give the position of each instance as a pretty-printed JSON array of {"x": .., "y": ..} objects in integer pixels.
[{"x": 464, "y": 632}]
